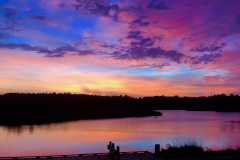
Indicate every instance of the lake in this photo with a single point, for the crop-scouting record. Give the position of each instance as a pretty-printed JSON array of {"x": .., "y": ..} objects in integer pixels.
[{"x": 211, "y": 129}]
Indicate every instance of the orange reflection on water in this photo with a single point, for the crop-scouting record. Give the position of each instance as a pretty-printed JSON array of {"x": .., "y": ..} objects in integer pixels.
[{"x": 211, "y": 129}]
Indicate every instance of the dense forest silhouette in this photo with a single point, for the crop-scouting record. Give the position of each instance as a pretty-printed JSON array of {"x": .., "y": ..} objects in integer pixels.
[{"x": 32, "y": 108}]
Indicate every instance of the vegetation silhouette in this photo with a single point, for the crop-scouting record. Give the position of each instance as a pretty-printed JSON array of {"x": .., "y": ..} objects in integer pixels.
[
  {"x": 193, "y": 150},
  {"x": 40, "y": 108}
]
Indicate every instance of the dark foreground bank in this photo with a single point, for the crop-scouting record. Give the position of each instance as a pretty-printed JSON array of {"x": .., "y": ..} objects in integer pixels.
[{"x": 197, "y": 152}]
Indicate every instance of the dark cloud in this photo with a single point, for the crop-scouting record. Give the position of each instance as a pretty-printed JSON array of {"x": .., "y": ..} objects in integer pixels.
[
  {"x": 153, "y": 4},
  {"x": 166, "y": 27},
  {"x": 153, "y": 65},
  {"x": 4, "y": 35},
  {"x": 9, "y": 12},
  {"x": 111, "y": 46},
  {"x": 133, "y": 10},
  {"x": 135, "y": 35},
  {"x": 172, "y": 54},
  {"x": 159, "y": 66},
  {"x": 139, "y": 23},
  {"x": 210, "y": 48},
  {"x": 85, "y": 52},
  {"x": 94, "y": 8},
  {"x": 102, "y": 8},
  {"x": 10, "y": 24},
  {"x": 138, "y": 65},
  {"x": 138, "y": 53},
  {"x": 206, "y": 58},
  {"x": 143, "y": 42},
  {"x": 41, "y": 18},
  {"x": 58, "y": 52},
  {"x": 120, "y": 55},
  {"x": 237, "y": 19}
]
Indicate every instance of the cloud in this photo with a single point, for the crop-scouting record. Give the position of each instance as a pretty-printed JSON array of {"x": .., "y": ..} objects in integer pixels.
[
  {"x": 58, "y": 52},
  {"x": 9, "y": 12},
  {"x": 111, "y": 46},
  {"x": 153, "y": 4},
  {"x": 159, "y": 66},
  {"x": 133, "y": 10},
  {"x": 153, "y": 65},
  {"x": 138, "y": 22},
  {"x": 173, "y": 55},
  {"x": 94, "y": 8},
  {"x": 4, "y": 35},
  {"x": 210, "y": 48},
  {"x": 139, "y": 53},
  {"x": 134, "y": 35},
  {"x": 237, "y": 19},
  {"x": 166, "y": 27},
  {"x": 143, "y": 42},
  {"x": 10, "y": 23},
  {"x": 206, "y": 58},
  {"x": 40, "y": 18}
]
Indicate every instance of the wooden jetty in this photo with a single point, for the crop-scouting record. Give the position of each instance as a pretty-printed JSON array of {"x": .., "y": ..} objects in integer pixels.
[{"x": 114, "y": 154}]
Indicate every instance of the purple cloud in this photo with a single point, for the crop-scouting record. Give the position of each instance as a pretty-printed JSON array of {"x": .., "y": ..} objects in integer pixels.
[
  {"x": 139, "y": 23},
  {"x": 237, "y": 19},
  {"x": 159, "y": 66},
  {"x": 9, "y": 12},
  {"x": 206, "y": 58},
  {"x": 138, "y": 53},
  {"x": 94, "y": 8},
  {"x": 153, "y": 65},
  {"x": 133, "y": 10},
  {"x": 210, "y": 48},
  {"x": 153, "y": 4},
  {"x": 134, "y": 35},
  {"x": 111, "y": 46},
  {"x": 40, "y": 18},
  {"x": 10, "y": 23},
  {"x": 143, "y": 42},
  {"x": 58, "y": 52},
  {"x": 4, "y": 35}
]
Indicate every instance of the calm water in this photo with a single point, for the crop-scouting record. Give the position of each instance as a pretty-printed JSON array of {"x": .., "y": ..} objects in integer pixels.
[{"x": 211, "y": 129}]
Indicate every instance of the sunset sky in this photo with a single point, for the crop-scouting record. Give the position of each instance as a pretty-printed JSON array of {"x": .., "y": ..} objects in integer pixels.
[{"x": 118, "y": 47}]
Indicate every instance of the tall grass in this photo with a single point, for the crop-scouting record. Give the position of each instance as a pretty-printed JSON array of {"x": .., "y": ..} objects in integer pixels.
[{"x": 192, "y": 148}]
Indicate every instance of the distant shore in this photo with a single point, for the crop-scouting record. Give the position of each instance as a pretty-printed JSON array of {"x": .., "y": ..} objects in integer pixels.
[
  {"x": 42, "y": 108},
  {"x": 15, "y": 119},
  {"x": 30, "y": 109}
]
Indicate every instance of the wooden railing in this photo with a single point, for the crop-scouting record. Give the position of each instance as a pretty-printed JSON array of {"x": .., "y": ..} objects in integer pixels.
[
  {"x": 56, "y": 156},
  {"x": 113, "y": 153}
]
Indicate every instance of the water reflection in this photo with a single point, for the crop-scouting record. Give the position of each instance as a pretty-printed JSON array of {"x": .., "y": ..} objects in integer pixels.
[{"x": 212, "y": 129}]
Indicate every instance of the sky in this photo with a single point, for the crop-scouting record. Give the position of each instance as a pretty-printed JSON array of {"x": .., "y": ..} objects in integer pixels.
[{"x": 120, "y": 47}]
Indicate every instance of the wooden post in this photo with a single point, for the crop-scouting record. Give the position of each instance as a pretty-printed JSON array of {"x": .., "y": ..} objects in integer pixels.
[
  {"x": 113, "y": 145},
  {"x": 113, "y": 157},
  {"x": 118, "y": 155},
  {"x": 157, "y": 149},
  {"x": 109, "y": 146}
]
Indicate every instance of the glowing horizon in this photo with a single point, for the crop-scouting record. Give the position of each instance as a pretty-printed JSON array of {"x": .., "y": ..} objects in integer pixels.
[{"x": 116, "y": 47}]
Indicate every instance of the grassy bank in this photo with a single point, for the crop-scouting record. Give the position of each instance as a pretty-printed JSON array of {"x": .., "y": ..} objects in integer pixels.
[{"x": 197, "y": 152}]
